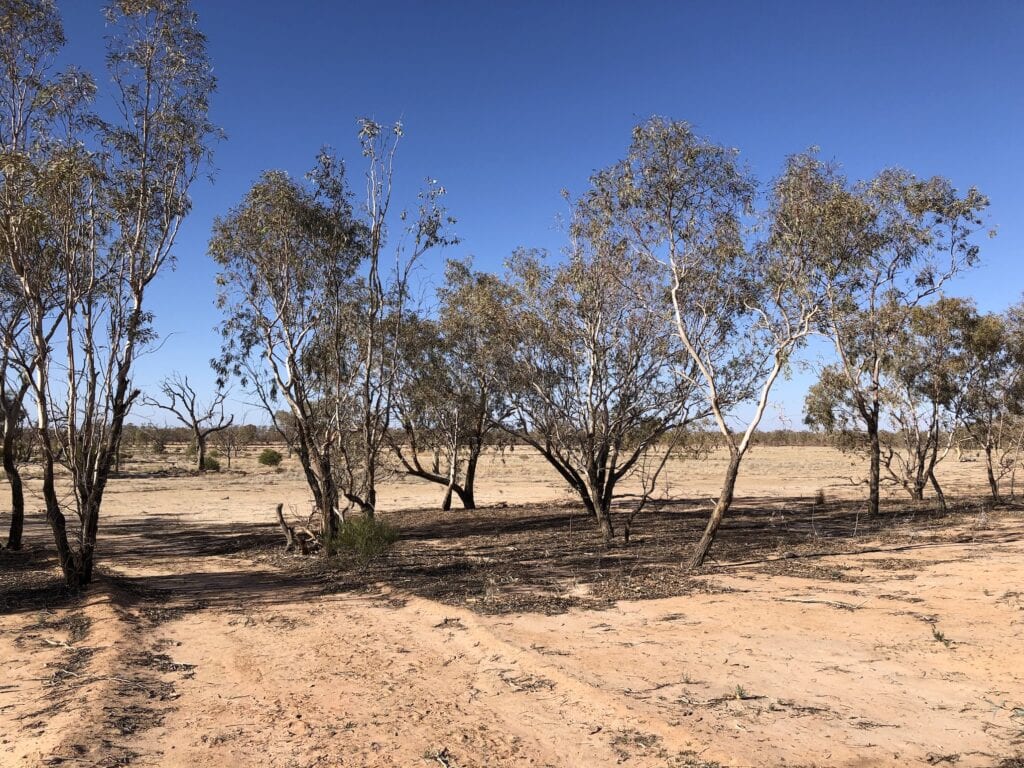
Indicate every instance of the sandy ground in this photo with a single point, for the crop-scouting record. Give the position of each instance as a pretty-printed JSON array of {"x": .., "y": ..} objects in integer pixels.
[{"x": 189, "y": 651}]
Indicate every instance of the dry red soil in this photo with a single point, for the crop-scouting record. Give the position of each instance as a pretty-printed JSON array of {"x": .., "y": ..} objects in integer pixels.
[{"x": 509, "y": 636}]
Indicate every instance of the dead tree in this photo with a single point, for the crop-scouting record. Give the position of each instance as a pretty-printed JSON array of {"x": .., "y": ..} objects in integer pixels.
[{"x": 203, "y": 419}]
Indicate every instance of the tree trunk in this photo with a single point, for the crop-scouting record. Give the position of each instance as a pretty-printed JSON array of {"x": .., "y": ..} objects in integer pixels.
[
  {"x": 993, "y": 483},
  {"x": 599, "y": 509},
  {"x": 329, "y": 520},
  {"x": 938, "y": 491},
  {"x": 604, "y": 520},
  {"x": 875, "y": 472},
  {"x": 721, "y": 507},
  {"x": 453, "y": 474},
  {"x": 201, "y": 453},
  {"x": 467, "y": 496},
  {"x": 76, "y": 572},
  {"x": 14, "y": 538},
  {"x": 370, "y": 507}
]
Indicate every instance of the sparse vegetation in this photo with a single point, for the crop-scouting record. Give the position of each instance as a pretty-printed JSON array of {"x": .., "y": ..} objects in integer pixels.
[{"x": 526, "y": 489}]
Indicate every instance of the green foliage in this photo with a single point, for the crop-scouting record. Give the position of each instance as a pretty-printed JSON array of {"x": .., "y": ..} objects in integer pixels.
[
  {"x": 210, "y": 464},
  {"x": 269, "y": 457},
  {"x": 364, "y": 537}
]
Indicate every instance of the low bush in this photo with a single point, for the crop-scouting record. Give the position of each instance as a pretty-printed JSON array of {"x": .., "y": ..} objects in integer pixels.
[
  {"x": 210, "y": 464},
  {"x": 366, "y": 538},
  {"x": 269, "y": 457}
]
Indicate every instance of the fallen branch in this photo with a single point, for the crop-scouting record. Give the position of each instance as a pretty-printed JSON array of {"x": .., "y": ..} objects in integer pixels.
[{"x": 295, "y": 536}]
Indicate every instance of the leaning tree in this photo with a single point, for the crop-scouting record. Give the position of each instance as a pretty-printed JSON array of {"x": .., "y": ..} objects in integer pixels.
[{"x": 742, "y": 307}]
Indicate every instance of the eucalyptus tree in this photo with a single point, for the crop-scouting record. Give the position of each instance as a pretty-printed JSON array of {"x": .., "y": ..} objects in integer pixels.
[
  {"x": 381, "y": 316},
  {"x": 897, "y": 240},
  {"x": 101, "y": 202},
  {"x": 742, "y": 307},
  {"x": 288, "y": 256},
  {"x": 14, "y": 386},
  {"x": 595, "y": 383},
  {"x": 922, "y": 379},
  {"x": 314, "y": 307},
  {"x": 990, "y": 399},
  {"x": 203, "y": 418},
  {"x": 33, "y": 97},
  {"x": 450, "y": 397}
]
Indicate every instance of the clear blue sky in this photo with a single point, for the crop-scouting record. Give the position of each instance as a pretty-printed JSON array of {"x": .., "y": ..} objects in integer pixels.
[{"x": 507, "y": 103}]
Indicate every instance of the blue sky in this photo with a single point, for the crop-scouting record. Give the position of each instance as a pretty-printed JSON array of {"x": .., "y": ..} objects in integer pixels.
[{"x": 507, "y": 103}]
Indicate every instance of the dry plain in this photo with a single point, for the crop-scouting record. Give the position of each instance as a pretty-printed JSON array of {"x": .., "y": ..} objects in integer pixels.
[{"x": 509, "y": 636}]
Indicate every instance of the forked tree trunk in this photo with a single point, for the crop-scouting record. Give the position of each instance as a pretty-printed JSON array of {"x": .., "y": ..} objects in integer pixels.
[
  {"x": 75, "y": 565},
  {"x": 464, "y": 490},
  {"x": 465, "y": 497},
  {"x": 721, "y": 507}
]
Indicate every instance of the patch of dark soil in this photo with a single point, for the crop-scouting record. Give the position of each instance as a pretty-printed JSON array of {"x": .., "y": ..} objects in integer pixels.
[
  {"x": 70, "y": 666},
  {"x": 803, "y": 569},
  {"x": 551, "y": 558},
  {"x": 75, "y": 625},
  {"x": 30, "y": 579},
  {"x": 653, "y": 583},
  {"x": 629, "y": 742},
  {"x": 161, "y": 662},
  {"x": 131, "y": 719}
]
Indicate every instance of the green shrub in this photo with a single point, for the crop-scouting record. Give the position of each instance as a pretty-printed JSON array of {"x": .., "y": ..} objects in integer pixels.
[
  {"x": 269, "y": 457},
  {"x": 366, "y": 538},
  {"x": 210, "y": 464}
]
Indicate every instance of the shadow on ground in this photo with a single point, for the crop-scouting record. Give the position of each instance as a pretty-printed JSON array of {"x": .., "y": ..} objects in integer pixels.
[{"x": 545, "y": 558}]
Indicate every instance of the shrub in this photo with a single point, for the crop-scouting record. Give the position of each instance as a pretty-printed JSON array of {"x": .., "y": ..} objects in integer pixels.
[
  {"x": 269, "y": 457},
  {"x": 366, "y": 538},
  {"x": 158, "y": 446},
  {"x": 210, "y": 464}
]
